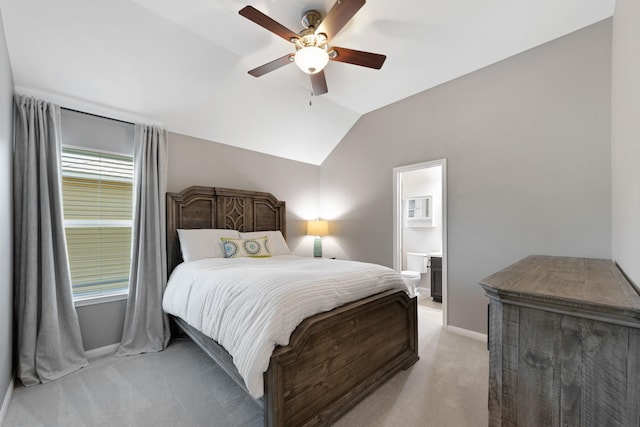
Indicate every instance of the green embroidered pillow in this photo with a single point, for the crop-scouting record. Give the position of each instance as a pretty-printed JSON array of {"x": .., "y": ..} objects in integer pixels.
[{"x": 255, "y": 248}]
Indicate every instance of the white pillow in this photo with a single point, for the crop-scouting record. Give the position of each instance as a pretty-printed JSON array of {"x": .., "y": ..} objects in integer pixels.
[
  {"x": 276, "y": 243},
  {"x": 199, "y": 243}
]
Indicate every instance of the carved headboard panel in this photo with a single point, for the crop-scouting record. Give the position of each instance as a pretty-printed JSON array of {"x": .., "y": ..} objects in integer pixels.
[{"x": 211, "y": 207}]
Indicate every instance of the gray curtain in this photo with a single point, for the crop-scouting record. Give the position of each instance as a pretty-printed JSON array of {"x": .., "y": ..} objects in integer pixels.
[
  {"x": 146, "y": 326},
  {"x": 49, "y": 341}
]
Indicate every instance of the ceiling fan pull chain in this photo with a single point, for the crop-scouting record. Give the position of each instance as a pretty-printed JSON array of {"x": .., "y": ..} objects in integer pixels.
[{"x": 310, "y": 98}]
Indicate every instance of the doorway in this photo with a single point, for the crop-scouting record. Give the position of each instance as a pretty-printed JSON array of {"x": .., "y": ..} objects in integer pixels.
[{"x": 420, "y": 225}]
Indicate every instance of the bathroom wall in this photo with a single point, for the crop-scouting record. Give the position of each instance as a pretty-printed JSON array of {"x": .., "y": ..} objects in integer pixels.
[{"x": 422, "y": 182}]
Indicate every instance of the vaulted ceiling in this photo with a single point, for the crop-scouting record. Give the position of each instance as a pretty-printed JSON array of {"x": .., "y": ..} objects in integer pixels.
[{"x": 183, "y": 64}]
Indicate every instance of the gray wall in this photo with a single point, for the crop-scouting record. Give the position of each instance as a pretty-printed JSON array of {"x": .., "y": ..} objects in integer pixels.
[
  {"x": 101, "y": 324},
  {"x": 96, "y": 133},
  {"x": 527, "y": 146},
  {"x": 194, "y": 161},
  {"x": 625, "y": 138},
  {"x": 6, "y": 215}
]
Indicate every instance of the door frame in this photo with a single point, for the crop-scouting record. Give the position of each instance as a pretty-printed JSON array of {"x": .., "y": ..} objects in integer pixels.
[{"x": 397, "y": 224}]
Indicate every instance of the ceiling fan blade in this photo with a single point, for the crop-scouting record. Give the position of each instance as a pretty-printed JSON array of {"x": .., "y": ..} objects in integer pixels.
[
  {"x": 270, "y": 66},
  {"x": 319, "y": 83},
  {"x": 339, "y": 14},
  {"x": 253, "y": 14},
  {"x": 358, "y": 57}
]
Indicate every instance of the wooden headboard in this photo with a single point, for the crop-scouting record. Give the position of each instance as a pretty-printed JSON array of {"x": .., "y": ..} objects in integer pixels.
[{"x": 212, "y": 207}]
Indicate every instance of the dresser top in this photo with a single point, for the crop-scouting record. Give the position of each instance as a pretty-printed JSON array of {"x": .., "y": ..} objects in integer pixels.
[{"x": 582, "y": 283}]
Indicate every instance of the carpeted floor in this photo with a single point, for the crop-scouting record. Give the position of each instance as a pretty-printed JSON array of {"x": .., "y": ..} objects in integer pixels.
[{"x": 182, "y": 387}]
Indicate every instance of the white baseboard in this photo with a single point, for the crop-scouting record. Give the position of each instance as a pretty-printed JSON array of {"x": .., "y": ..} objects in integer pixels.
[
  {"x": 5, "y": 403},
  {"x": 102, "y": 351},
  {"x": 467, "y": 333}
]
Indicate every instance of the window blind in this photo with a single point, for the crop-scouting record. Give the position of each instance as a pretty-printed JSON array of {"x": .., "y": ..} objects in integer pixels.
[{"x": 97, "y": 200}]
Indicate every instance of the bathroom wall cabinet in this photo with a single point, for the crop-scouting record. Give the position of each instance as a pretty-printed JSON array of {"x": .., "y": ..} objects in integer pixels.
[
  {"x": 564, "y": 340},
  {"x": 435, "y": 264},
  {"x": 419, "y": 211}
]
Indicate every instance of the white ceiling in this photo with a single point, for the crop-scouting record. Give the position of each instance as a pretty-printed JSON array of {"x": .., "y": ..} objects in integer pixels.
[{"x": 183, "y": 64}]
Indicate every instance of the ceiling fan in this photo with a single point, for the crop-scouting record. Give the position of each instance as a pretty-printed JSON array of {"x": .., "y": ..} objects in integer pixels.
[{"x": 313, "y": 51}]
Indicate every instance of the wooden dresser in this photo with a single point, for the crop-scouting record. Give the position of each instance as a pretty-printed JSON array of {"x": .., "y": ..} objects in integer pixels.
[{"x": 564, "y": 342}]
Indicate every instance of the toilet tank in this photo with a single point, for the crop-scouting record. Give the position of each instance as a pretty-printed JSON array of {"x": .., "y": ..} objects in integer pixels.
[{"x": 417, "y": 262}]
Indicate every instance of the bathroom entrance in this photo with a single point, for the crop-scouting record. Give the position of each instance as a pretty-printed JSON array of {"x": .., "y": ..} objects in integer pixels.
[{"x": 420, "y": 231}]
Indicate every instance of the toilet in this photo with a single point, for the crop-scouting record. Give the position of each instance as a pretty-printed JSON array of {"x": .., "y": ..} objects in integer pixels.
[{"x": 416, "y": 265}]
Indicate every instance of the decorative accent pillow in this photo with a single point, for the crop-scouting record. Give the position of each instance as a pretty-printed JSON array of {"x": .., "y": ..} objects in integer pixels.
[
  {"x": 254, "y": 248},
  {"x": 275, "y": 241},
  {"x": 202, "y": 243}
]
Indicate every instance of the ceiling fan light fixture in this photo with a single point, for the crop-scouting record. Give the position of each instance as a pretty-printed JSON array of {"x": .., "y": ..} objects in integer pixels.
[{"x": 311, "y": 59}]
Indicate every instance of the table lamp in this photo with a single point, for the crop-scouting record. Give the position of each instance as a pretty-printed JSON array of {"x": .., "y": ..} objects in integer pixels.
[{"x": 317, "y": 228}]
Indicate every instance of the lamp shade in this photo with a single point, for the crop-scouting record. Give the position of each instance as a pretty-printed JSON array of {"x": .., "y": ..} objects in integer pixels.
[
  {"x": 311, "y": 59},
  {"x": 317, "y": 228}
]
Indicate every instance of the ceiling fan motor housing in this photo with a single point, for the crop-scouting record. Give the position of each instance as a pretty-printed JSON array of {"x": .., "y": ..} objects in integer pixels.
[
  {"x": 311, "y": 19},
  {"x": 308, "y": 37}
]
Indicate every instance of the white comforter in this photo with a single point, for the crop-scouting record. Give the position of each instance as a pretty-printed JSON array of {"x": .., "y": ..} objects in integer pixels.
[{"x": 250, "y": 305}]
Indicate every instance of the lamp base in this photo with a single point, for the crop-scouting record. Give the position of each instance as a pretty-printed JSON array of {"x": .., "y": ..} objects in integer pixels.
[{"x": 317, "y": 247}]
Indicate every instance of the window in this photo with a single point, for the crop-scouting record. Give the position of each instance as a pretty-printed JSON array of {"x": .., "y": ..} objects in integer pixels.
[{"x": 97, "y": 199}]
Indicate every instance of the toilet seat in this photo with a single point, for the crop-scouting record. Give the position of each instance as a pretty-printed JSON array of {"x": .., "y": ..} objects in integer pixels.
[
  {"x": 410, "y": 274},
  {"x": 411, "y": 279}
]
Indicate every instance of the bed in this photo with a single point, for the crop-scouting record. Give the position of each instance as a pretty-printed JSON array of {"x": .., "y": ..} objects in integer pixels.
[{"x": 333, "y": 359}]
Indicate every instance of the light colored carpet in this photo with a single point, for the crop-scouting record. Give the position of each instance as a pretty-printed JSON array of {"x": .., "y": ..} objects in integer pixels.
[
  {"x": 182, "y": 387},
  {"x": 447, "y": 387}
]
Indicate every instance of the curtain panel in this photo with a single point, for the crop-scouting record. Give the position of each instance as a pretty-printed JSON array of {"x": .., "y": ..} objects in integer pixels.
[
  {"x": 49, "y": 343},
  {"x": 146, "y": 326}
]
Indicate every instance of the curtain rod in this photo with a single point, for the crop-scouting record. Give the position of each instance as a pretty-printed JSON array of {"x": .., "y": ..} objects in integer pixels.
[{"x": 97, "y": 115}]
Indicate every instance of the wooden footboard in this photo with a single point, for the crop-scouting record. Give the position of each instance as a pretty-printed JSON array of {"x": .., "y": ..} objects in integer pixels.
[
  {"x": 333, "y": 360},
  {"x": 337, "y": 358}
]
